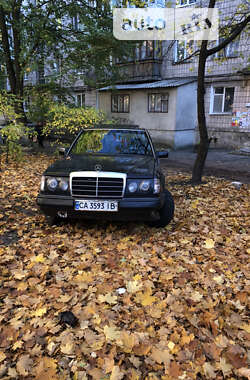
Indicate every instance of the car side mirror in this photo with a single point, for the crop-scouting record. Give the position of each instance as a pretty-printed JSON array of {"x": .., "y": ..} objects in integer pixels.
[
  {"x": 162, "y": 154},
  {"x": 63, "y": 151}
]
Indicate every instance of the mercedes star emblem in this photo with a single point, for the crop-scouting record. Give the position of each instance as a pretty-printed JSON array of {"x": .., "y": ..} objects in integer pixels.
[{"x": 98, "y": 168}]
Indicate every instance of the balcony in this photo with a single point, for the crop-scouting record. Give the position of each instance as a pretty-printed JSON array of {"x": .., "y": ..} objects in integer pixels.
[{"x": 141, "y": 71}]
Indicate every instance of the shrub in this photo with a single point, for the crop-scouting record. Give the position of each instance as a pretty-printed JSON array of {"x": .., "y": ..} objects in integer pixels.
[{"x": 65, "y": 122}]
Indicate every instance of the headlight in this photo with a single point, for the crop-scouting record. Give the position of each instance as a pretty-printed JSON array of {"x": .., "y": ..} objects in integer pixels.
[
  {"x": 52, "y": 184},
  {"x": 145, "y": 185},
  {"x": 132, "y": 187},
  {"x": 157, "y": 186},
  {"x": 63, "y": 185},
  {"x": 42, "y": 186}
]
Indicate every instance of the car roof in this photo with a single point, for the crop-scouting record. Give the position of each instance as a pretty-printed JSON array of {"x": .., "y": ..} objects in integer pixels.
[{"x": 117, "y": 126}]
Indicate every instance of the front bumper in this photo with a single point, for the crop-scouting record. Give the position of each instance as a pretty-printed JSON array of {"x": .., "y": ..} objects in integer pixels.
[{"x": 129, "y": 209}]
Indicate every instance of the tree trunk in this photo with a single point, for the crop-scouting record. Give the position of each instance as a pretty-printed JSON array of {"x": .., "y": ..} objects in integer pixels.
[
  {"x": 6, "y": 51},
  {"x": 204, "y": 142},
  {"x": 13, "y": 66}
]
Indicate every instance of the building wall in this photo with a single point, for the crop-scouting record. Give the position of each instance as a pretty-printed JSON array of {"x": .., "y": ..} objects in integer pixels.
[
  {"x": 222, "y": 72},
  {"x": 169, "y": 128},
  {"x": 215, "y": 66},
  {"x": 223, "y": 127},
  {"x": 160, "y": 125},
  {"x": 90, "y": 98}
]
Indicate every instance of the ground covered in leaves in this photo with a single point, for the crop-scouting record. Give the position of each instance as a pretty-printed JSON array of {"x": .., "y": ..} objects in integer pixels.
[{"x": 166, "y": 303}]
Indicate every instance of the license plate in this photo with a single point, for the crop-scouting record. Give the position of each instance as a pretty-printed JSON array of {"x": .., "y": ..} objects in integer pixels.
[{"x": 92, "y": 205}]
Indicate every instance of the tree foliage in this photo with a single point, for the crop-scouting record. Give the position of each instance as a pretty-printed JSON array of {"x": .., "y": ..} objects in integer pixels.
[
  {"x": 64, "y": 121},
  {"x": 74, "y": 36},
  {"x": 13, "y": 128}
]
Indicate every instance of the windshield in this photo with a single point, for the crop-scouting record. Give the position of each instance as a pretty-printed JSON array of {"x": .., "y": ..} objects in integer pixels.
[{"x": 112, "y": 142}]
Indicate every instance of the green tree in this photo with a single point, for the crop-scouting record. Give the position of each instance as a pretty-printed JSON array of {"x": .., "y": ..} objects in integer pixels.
[
  {"x": 13, "y": 129},
  {"x": 65, "y": 122},
  {"x": 75, "y": 36}
]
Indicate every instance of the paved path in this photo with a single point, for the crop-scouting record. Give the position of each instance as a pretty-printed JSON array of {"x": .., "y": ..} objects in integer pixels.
[{"x": 219, "y": 163}]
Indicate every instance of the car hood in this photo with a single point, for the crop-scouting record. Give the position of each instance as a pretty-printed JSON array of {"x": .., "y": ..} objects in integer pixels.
[{"x": 134, "y": 165}]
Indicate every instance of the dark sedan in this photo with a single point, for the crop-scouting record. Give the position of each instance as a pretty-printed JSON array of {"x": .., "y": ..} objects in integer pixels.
[{"x": 110, "y": 173}]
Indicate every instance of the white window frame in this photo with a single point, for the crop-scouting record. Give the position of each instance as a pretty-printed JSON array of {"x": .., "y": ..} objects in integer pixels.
[
  {"x": 187, "y": 3},
  {"x": 212, "y": 97}
]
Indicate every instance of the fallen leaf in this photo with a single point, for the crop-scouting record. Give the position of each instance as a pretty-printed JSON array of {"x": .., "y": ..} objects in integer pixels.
[
  {"x": 218, "y": 279},
  {"x": 108, "y": 365},
  {"x": 209, "y": 243},
  {"x": 12, "y": 373},
  {"x": 67, "y": 348},
  {"x": 46, "y": 369},
  {"x": 237, "y": 356},
  {"x": 225, "y": 367},
  {"x": 171, "y": 345},
  {"x": 174, "y": 370},
  {"x": 245, "y": 327},
  {"x": 133, "y": 286},
  {"x": 196, "y": 296},
  {"x": 111, "y": 333},
  {"x": 245, "y": 372},
  {"x": 2, "y": 356},
  {"x": 145, "y": 298},
  {"x": 24, "y": 365},
  {"x": 108, "y": 298},
  {"x": 40, "y": 312},
  {"x": 160, "y": 356},
  {"x": 127, "y": 341},
  {"x": 116, "y": 373},
  {"x": 209, "y": 371}
]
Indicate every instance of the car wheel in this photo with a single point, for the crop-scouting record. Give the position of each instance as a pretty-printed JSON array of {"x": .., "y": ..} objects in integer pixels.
[
  {"x": 166, "y": 212},
  {"x": 51, "y": 220}
]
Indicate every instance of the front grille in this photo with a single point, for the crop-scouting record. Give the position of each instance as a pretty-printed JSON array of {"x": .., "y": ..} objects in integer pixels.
[{"x": 94, "y": 187}]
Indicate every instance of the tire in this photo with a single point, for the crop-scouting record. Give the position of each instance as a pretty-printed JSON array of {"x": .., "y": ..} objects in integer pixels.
[
  {"x": 166, "y": 212},
  {"x": 52, "y": 220}
]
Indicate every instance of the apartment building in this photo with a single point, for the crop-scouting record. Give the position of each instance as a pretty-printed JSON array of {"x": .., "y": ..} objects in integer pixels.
[
  {"x": 160, "y": 89},
  {"x": 159, "y": 86}
]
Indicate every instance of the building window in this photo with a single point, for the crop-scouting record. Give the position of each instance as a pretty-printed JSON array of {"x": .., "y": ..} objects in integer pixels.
[
  {"x": 183, "y": 49},
  {"x": 230, "y": 51},
  {"x": 132, "y": 4},
  {"x": 54, "y": 66},
  {"x": 146, "y": 50},
  {"x": 75, "y": 22},
  {"x": 222, "y": 99},
  {"x": 25, "y": 76},
  {"x": 26, "y": 104},
  {"x": 158, "y": 103},
  {"x": 120, "y": 103},
  {"x": 80, "y": 100},
  {"x": 182, "y": 3}
]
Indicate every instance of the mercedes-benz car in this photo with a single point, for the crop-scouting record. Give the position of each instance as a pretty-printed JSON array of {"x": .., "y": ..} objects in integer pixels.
[{"x": 111, "y": 173}]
